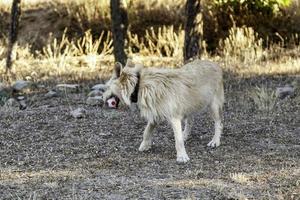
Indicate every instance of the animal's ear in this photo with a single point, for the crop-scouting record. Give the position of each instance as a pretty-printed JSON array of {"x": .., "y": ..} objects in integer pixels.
[
  {"x": 129, "y": 63},
  {"x": 118, "y": 69}
]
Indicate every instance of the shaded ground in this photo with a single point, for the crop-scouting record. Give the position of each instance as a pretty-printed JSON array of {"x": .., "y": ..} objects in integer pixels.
[{"x": 47, "y": 154}]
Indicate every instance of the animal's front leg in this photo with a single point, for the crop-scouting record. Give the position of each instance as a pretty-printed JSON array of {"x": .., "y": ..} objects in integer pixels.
[
  {"x": 147, "y": 137},
  {"x": 182, "y": 156}
]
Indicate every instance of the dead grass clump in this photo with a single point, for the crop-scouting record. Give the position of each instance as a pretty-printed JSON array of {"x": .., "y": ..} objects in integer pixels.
[
  {"x": 85, "y": 45},
  {"x": 239, "y": 178},
  {"x": 89, "y": 46},
  {"x": 165, "y": 42},
  {"x": 264, "y": 98},
  {"x": 242, "y": 46},
  {"x": 88, "y": 49},
  {"x": 19, "y": 52},
  {"x": 84, "y": 58}
]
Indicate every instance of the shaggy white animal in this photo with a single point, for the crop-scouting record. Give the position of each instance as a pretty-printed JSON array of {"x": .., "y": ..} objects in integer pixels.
[{"x": 172, "y": 95}]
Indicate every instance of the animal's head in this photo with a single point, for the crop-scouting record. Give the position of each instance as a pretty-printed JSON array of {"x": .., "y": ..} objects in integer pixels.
[{"x": 123, "y": 82}]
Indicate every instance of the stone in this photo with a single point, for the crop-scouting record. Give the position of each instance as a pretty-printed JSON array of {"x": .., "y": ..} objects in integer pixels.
[
  {"x": 95, "y": 101},
  {"x": 78, "y": 113},
  {"x": 68, "y": 87},
  {"x": 283, "y": 92},
  {"x": 94, "y": 93},
  {"x": 20, "y": 98},
  {"x": 12, "y": 103},
  {"x": 101, "y": 87},
  {"x": 23, "y": 104},
  {"x": 51, "y": 94},
  {"x": 21, "y": 84},
  {"x": 41, "y": 86}
]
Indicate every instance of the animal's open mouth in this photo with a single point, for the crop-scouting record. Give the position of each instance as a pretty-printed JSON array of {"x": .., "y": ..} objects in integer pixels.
[{"x": 113, "y": 102}]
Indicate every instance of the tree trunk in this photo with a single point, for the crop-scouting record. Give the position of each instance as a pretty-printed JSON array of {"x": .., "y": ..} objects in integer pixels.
[
  {"x": 13, "y": 32},
  {"x": 119, "y": 28},
  {"x": 193, "y": 30}
]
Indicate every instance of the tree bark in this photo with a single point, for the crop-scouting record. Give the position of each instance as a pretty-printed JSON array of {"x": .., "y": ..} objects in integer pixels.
[
  {"x": 119, "y": 29},
  {"x": 13, "y": 31},
  {"x": 193, "y": 30}
]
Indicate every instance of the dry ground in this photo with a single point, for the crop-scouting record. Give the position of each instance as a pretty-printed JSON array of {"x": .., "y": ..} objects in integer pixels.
[{"x": 47, "y": 154}]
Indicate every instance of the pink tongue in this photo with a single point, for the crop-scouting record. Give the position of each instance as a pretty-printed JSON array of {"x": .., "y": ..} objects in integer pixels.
[{"x": 112, "y": 103}]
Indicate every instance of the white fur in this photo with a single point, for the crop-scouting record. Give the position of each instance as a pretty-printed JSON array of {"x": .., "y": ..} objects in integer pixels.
[{"x": 172, "y": 95}]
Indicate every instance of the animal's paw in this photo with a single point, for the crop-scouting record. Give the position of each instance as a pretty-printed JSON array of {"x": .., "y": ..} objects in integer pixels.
[
  {"x": 215, "y": 142},
  {"x": 145, "y": 146},
  {"x": 183, "y": 158}
]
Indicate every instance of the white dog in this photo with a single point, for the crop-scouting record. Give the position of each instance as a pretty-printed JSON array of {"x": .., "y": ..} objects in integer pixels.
[{"x": 172, "y": 95}]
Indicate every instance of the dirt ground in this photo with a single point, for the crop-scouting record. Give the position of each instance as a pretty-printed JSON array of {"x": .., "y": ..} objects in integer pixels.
[{"x": 47, "y": 154}]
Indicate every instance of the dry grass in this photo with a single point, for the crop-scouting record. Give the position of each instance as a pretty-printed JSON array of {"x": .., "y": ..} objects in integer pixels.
[
  {"x": 89, "y": 58},
  {"x": 239, "y": 178},
  {"x": 264, "y": 98},
  {"x": 165, "y": 42},
  {"x": 242, "y": 46}
]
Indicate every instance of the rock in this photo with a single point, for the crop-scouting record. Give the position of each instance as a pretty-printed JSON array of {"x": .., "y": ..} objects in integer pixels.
[
  {"x": 95, "y": 101},
  {"x": 78, "y": 113},
  {"x": 282, "y": 92},
  {"x": 19, "y": 102},
  {"x": 12, "y": 103},
  {"x": 41, "y": 86},
  {"x": 95, "y": 93},
  {"x": 68, "y": 87},
  {"x": 20, "y": 98},
  {"x": 21, "y": 84},
  {"x": 101, "y": 87},
  {"x": 51, "y": 94},
  {"x": 23, "y": 104}
]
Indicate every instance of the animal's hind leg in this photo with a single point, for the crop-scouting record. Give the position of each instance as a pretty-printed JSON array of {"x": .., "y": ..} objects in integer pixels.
[
  {"x": 216, "y": 112},
  {"x": 187, "y": 127},
  {"x": 147, "y": 137},
  {"x": 182, "y": 156}
]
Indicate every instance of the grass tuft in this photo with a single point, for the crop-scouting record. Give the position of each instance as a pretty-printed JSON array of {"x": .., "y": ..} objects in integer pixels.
[{"x": 264, "y": 98}]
